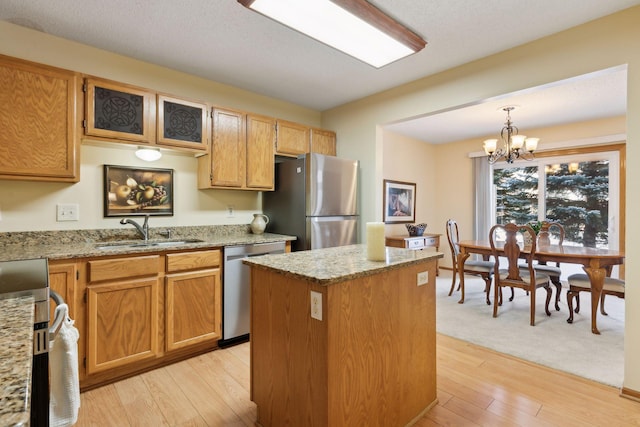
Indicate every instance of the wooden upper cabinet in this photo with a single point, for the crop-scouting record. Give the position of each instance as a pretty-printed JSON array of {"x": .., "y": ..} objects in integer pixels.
[
  {"x": 323, "y": 142},
  {"x": 40, "y": 110},
  {"x": 242, "y": 152},
  {"x": 116, "y": 111},
  {"x": 260, "y": 152},
  {"x": 228, "y": 148},
  {"x": 182, "y": 123},
  {"x": 291, "y": 138}
]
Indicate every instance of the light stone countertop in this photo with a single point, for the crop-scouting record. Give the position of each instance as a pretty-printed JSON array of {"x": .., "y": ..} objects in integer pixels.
[
  {"x": 332, "y": 265},
  {"x": 85, "y": 243},
  {"x": 16, "y": 354}
]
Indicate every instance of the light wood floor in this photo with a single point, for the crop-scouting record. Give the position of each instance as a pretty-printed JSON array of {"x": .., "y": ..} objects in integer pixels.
[{"x": 476, "y": 387}]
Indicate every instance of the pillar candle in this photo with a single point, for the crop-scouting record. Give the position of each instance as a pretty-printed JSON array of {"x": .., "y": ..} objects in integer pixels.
[{"x": 375, "y": 241}]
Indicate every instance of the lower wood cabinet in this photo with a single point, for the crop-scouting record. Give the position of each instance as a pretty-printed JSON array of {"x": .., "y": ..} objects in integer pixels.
[
  {"x": 193, "y": 295},
  {"x": 62, "y": 279},
  {"x": 193, "y": 308},
  {"x": 138, "y": 312},
  {"x": 122, "y": 323}
]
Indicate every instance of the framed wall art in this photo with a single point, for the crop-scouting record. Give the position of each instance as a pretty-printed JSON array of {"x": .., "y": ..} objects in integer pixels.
[
  {"x": 130, "y": 191},
  {"x": 399, "y": 202}
]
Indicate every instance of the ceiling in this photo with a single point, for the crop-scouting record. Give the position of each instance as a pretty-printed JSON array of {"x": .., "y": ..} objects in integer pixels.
[{"x": 222, "y": 41}]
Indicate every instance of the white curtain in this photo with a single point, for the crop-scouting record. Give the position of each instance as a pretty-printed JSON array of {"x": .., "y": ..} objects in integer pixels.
[{"x": 482, "y": 172}]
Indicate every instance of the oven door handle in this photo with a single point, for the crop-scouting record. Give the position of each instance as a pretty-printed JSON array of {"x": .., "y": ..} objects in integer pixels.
[{"x": 61, "y": 313}]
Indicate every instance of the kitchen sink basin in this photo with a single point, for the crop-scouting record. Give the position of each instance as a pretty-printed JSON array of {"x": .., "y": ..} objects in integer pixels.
[{"x": 151, "y": 244}]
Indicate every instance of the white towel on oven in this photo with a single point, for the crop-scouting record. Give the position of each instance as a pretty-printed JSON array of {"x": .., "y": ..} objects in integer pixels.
[{"x": 63, "y": 363}]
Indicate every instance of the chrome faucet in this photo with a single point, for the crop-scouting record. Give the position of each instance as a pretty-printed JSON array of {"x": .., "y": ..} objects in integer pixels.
[{"x": 143, "y": 230}]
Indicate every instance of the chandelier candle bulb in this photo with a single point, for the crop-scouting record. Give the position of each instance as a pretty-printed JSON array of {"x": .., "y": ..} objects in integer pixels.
[
  {"x": 517, "y": 141},
  {"x": 490, "y": 146},
  {"x": 531, "y": 144},
  {"x": 375, "y": 241}
]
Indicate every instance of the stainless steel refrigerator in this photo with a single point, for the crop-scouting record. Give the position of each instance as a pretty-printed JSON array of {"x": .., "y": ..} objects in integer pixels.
[{"x": 315, "y": 199}]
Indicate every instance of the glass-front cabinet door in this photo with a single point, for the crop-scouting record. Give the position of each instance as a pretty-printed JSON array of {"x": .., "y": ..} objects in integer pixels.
[
  {"x": 118, "y": 111},
  {"x": 182, "y": 123}
]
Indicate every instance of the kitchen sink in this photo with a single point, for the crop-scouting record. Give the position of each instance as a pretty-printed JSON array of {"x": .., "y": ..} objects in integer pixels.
[{"x": 160, "y": 243}]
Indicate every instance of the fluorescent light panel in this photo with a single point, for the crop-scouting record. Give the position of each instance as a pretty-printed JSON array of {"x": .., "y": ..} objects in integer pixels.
[{"x": 333, "y": 25}]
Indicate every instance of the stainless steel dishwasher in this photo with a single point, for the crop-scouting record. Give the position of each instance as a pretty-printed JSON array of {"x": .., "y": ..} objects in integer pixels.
[{"x": 236, "y": 291}]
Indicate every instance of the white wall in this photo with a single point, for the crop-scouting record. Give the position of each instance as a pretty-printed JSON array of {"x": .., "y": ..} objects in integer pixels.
[
  {"x": 598, "y": 45},
  {"x": 29, "y": 206},
  {"x": 409, "y": 160}
]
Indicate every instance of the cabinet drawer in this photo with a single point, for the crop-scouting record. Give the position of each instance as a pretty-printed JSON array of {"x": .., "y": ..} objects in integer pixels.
[
  {"x": 120, "y": 268},
  {"x": 415, "y": 243},
  {"x": 430, "y": 241},
  {"x": 193, "y": 260}
]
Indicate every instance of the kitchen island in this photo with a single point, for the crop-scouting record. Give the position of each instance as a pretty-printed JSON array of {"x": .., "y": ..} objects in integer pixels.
[{"x": 337, "y": 340}]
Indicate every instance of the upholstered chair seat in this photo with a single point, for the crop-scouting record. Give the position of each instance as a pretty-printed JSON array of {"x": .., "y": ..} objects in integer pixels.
[{"x": 581, "y": 283}]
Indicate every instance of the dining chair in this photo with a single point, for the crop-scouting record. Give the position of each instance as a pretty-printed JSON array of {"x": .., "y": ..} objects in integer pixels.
[
  {"x": 552, "y": 270},
  {"x": 513, "y": 275},
  {"x": 483, "y": 269},
  {"x": 581, "y": 283}
]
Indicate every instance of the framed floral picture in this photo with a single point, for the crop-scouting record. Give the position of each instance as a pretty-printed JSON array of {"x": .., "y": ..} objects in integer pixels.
[
  {"x": 399, "y": 202},
  {"x": 137, "y": 191}
]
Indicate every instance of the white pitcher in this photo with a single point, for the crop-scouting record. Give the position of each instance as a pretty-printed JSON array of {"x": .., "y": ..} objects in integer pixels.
[{"x": 259, "y": 223}]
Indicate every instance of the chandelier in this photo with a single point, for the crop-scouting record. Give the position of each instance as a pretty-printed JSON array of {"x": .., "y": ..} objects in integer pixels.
[{"x": 514, "y": 146}]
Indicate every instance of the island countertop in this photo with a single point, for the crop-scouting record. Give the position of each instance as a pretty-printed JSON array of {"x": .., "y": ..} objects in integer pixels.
[
  {"x": 16, "y": 354},
  {"x": 331, "y": 265}
]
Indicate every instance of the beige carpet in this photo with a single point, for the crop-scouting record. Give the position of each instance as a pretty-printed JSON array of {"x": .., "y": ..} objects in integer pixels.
[{"x": 551, "y": 342}]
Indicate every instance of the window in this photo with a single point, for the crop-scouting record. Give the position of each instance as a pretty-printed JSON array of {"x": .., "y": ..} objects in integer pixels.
[{"x": 580, "y": 191}]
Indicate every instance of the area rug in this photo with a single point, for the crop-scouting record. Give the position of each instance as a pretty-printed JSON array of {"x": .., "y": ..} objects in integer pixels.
[{"x": 551, "y": 342}]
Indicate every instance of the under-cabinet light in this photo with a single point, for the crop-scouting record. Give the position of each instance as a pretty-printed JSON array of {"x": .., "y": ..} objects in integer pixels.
[
  {"x": 354, "y": 27},
  {"x": 148, "y": 154}
]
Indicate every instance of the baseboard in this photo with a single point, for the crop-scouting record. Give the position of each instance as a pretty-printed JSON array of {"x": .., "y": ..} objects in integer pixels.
[{"x": 630, "y": 394}]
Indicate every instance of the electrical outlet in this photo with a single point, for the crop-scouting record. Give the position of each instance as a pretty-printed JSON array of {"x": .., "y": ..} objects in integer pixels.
[
  {"x": 423, "y": 278},
  {"x": 316, "y": 305},
  {"x": 67, "y": 212},
  {"x": 230, "y": 213}
]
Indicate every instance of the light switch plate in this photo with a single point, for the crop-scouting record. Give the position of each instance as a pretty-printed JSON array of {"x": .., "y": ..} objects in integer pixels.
[{"x": 67, "y": 212}]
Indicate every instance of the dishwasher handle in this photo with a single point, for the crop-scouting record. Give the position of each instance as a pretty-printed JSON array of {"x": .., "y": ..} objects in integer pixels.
[{"x": 242, "y": 251}]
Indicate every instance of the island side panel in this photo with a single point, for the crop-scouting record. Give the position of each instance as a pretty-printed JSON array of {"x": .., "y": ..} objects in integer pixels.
[
  {"x": 382, "y": 361},
  {"x": 288, "y": 352}
]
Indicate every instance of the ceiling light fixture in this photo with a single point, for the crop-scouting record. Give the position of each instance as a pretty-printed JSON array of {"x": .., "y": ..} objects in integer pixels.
[
  {"x": 354, "y": 27},
  {"x": 148, "y": 154},
  {"x": 514, "y": 146}
]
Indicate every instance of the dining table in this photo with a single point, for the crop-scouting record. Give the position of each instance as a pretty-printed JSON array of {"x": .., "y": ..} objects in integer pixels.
[{"x": 596, "y": 262}]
